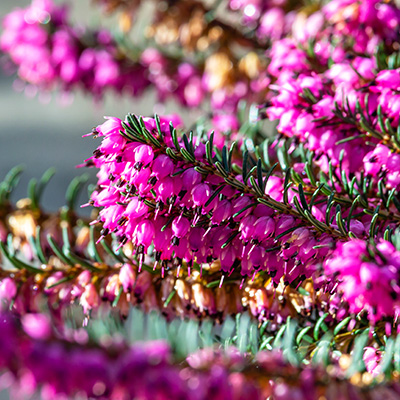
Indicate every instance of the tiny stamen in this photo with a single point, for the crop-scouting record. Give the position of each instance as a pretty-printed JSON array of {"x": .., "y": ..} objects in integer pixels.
[{"x": 100, "y": 239}]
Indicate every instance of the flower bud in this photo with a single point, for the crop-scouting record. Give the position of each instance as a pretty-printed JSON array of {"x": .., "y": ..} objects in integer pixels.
[
  {"x": 90, "y": 298},
  {"x": 8, "y": 289},
  {"x": 144, "y": 233},
  {"x": 127, "y": 277},
  {"x": 180, "y": 226},
  {"x": 222, "y": 212},
  {"x": 162, "y": 166},
  {"x": 144, "y": 154},
  {"x": 201, "y": 193}
]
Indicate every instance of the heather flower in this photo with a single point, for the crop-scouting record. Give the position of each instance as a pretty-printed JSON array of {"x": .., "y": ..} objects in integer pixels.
[
  {"x": 58, "y": 368},
  {"x": 299, "y": 227},
  {"x": 67, "y": 57},
  {"x": 376, "y": 159},
  {"x": 36, "y": 326},
  {"x": 127, "y": 277},
  {"x": 367, "y": 284},
  {"x": 62, "y": 59},
  {"x": 348, "y": 83},
  {"x": 232, "y": 240},
  {"x": 272, "y": 23},
  {"x": 388, "y": 79},
  {"x": 8, "y": 289},
  {"x": 224, "y": 126},
  {"x": 163, "y": 208},
  {"x": 89, "y": 298},
  {"x": 372, "y": 358}
]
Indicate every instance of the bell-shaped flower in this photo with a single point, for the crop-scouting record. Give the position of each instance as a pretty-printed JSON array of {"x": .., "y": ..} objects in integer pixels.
[
  {"x": 90, "y": 298},
  {"x": 238, "y": 205},
  {"x": 180, "y": 226},
  {"x": 144, "y": 233},
  {"x": 135, "y": 208},
  {"x": 190, "y": 179},
  {"x": 299, "y": 236},
  {"x": 8, "y": 289},
  {"x": 144, "y": 154},
  {"x": 222, "y": 213},
  {"x": 182, "y": 249},
  {"x": 37, "y": 326},
  {"x": 127, "y": 277},
  {"x": 258, "y": 258},
  {"x": 106, "y": 197},
  {"x": 247, "y": 227},
  {"x": 264, "y": 228},
  {"x": 196, "y": 239},
  {"x": 162, "y": 166},
  {"x": 372, "y": 358},
  {"x": 220, "y": 236},
  {"x": 200, "y": 194},
  {"x": 228, "y": 256},
  {"x": 284, "y": 223},
  {"x": 112, "y": 125},
  {"x": 110, "y": 216}
]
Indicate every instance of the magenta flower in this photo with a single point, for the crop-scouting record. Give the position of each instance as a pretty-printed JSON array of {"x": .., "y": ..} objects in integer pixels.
[
  {"x": 8, "y": 289},
  {"x": 37, "y": 326},
  {"x": 372, "y": 358},
  {"x": 367, "y": 284},
  {"x": 127, "y": 277},
  {"x": 89, "y": 298}
]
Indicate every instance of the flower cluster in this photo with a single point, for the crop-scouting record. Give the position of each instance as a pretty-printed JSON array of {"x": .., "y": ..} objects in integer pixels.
[
  {"x": 187, "y": 213},
  {"x": 179, "y": 207},
  {"x": 288, "y": 241},
  {"x": 368, "y": 277},
  {"x": 87, "y": 274},
  {"x": 335, "y": 95},
  {"x": 267, "y": 18},
  {"x": 121, "y": 286},
  {"x": 49, "y": 53},
  {"x": 64, "y": 366}
]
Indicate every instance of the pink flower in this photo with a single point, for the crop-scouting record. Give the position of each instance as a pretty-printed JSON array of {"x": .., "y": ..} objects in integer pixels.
[
  {"x": 389, "y": 79},
  {"x": 162, "y": 166},
  {"x": 8, "y": 289},
  {"x": 201, "y": 193},
  {"x": 37, "y": 326},
  {"x": 272, "y": 24},
  {"x": 90, "y": 298},
  {"x": 274, "y": 188},
  {"x": 180, "y": 226},
  {"x": 127, "y": 277},
  {"x": 375, "y": 160},
  {"x": 372, "y": 358},
  {"x": 367, "y": 282},
  {"x": 144, "y": 233},
  {"x": 144, "y": 154},
  {"x": 111, "y": 126},
  {"x": 222, "y": 212}
]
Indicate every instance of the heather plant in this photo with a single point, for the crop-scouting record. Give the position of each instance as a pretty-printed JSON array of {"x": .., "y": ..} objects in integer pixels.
[{"x": 229, "y": 258}]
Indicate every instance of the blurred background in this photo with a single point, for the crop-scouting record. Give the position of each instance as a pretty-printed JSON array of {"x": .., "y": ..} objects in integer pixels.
[{"x": 40, "y": 134}]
